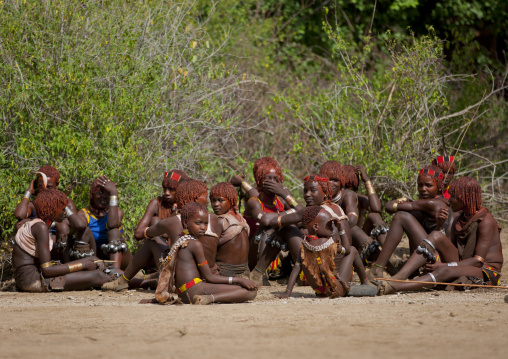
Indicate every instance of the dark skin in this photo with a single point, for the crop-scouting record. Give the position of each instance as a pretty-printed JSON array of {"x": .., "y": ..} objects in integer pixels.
[
  {"x": 488, "y": 246},
  {"x": 153, "y": 247},
  {"x": 372, "y": 205},
  {"x": 236, "y": 250},
  {"x": 271, "y": 188},
  {"x": 172, "y": 227},
  {"x": 115, "y": 216},
  {"x": 152, "y": 210},
  {"x": 241, "y": 290},
  {"x": 323, "y": 227},
  {"x": 314, "y": 196},
  {"x": 405, "y": 220},
  {"x": 25, "y": 208},
  {"x": 349, "y": 203},
  {"x": 87, "y": 278}
]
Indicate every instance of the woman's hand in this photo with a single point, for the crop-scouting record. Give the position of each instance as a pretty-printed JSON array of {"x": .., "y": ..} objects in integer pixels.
[
  {"x": 246, "y": 283},
  {"x": 363, "y": 174},
  {"x": 441, "y": 218},
  {"x": 236, "y": 181},
  {"x": 108, "y": 185},
  {"x": 89, "y": 264}
]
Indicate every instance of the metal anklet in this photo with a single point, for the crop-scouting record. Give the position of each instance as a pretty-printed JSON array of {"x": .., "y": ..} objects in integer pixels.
[{"x": 256, "y": 268}]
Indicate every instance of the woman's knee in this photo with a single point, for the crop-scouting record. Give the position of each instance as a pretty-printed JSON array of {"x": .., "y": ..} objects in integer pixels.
[
  {"x": 442, "y": 274},
  {"x": 402, "y": 216},
  {"x": 252, "y": 294}
]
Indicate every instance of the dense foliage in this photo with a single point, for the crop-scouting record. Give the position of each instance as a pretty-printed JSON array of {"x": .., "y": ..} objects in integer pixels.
[{"x": 131, "y": 89}]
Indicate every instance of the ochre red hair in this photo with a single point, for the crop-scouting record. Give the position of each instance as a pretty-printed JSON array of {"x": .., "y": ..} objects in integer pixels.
[
  {"x": 332, "y": 170},
  {"x": 173, "y": 178},
  {"x": 323, "y": 182},
  {"x": 262, "y": 167},
  {"x": 310, "y": 214},
  {"x": 191, "y": 209},
  {"x": 226, "y": 190},
  {"x": 50, "y": 172},
  {"x": 469, "y": 192},
  {"x": 48, "y": 202},
  {"x": 189, "y": 191},
  {"x": 350, "y": 177}
]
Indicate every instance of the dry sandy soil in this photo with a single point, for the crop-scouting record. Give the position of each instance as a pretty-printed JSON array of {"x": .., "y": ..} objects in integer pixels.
[{"x": 462, "y": 325}]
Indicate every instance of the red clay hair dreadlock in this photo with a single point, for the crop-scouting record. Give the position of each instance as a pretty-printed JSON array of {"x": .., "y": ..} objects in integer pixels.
[
  {"x": 262, "y": 167},
  {"x": 332, "y": 170},
  {"x": 469, "y": 192},
  {"x": 189, "y": 191},
  {"x": 226, "y": 190},
  {"x": 350, "y": 177},
  {"x": 48, "y": 202},
  {"x": 323, "y": 182},
  {"x": 173, "y": 178},
  {"x": 50, "y": 172},
  {"x": 310, "y": 214},
  {"x": 191, "y": 209},
  {"x": 435, "y": 177}
]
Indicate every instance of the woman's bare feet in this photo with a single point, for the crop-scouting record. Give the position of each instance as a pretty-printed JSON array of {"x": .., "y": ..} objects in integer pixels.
[{"x": 202, "y": 299}]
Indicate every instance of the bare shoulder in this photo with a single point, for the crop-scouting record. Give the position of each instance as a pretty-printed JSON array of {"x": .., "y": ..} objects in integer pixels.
[
  {"x": 488, "y": 222},
  {"x": 215, "y": 223},
  {"x": 81, "y": 213},
  {"x": 194, "y": 245},
  {"x": 154, "y": 203},
  {"x": 254, "y": 202},
  {"x": 39, "y": 228}
]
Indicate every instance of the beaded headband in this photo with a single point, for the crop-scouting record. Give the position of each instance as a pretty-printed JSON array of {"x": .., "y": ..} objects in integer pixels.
[
  {"x": 316, "y": 178},
  {"x": 432, "y": 173},
  {"x": 442, "y": 159},
  {"x": 174, "y": 176}
]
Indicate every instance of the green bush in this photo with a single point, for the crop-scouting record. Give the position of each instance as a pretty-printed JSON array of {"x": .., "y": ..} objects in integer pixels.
[{"x": 120, "y": 88}]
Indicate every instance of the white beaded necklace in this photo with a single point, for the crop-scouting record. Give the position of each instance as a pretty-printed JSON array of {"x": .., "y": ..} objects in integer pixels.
[{"x": 319, "y": 248}]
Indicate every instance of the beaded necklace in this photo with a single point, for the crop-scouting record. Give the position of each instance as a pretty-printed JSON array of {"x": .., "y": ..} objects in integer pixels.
[{"x": 319, "y": 248}]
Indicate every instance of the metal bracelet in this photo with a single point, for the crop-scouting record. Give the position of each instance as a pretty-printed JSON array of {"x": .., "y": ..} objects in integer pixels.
[
  {"x": 395, "y": 207},
  {"x": 452, "y": 264},
  {"x": 75, "y": 267},
  {"x": 230, "y": 280},
  {"x": 279, "y": 218},
  {"x": 260, "y": 215},
  {"x": 291, "y": 201},
  {"x": 480, "y": 259},
  {"x": 246, "y": 187},
  {"x": 429, "y": 243},
  {"x": 27, "y": 195},
  {"x": 144, "y": 233},
  {"x": 47, "y": 264},
  {"x": 68, "y": 212},
  {"x": 341, "y": 233},
  {"x": 113, "y": 201},
  {"x": 433, "y": 277}
]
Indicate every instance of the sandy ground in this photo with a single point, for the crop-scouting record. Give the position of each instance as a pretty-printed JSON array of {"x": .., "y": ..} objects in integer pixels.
[{"x": 462, "y": 325}]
